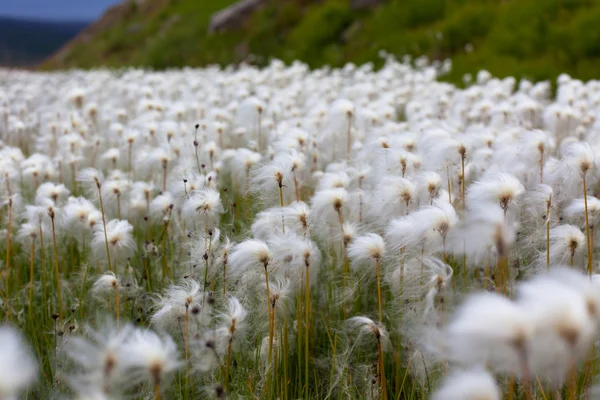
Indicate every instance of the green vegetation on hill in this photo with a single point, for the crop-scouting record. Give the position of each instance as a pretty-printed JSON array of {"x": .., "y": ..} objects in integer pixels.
[{"x": 537, "y": 39}]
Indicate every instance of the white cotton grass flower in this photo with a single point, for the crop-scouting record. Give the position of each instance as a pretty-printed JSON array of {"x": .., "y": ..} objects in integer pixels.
[
  {"x": 579, "y": 157},
  {"x": 473, "y": 384},
  {"x": 567, "y": 242},
  {"x": 366, "y": 250},
  {"x": 203, "y": 207},
  {"x": 425, "y": 229},
  {"x": 76, "y": 213},
  {"x": 281, "y": 292},
  {"x": 150, "y": 357},
  {"x": 99, "y": 357},
  {"x": 203, "y": 352},
  {"x": 105, "y": 284},
  {"x": 273, "y": 181},
  {"x": 330, "y": 205},
  {"x": 562, "y": 322},
  {"x": 440, "y": 278},
  {"x": 582, "y": 284},
  {"x": 293, "y": 254},
  {"x": 179, "y": 299},
  {"x": 365, "y": 327},
  {"x": 267, "y": 223},
  {"x": 119, "y": 237},
  {"x": 430, "y": 186},
  {"x": 161, "y": 206},
  {"x": 92, "y": 180},
  {"x": 233, "y": 324},
  {"x": 395, "y": 195},
  {"x": 249, "y": 255},
  {"x": 297, "y": 217},
  {"x": 48, "y": 190},
  {"x": 18, "y": 367},
  {"x": 575, "y": 212},
  {"x": 490, "y": 329},
  {"x": 502, "y": 189},
  {"x": 484, "y": 232}
]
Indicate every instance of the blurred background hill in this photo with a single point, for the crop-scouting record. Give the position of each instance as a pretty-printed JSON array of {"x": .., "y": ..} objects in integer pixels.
[{"x": 537, "y": 39}]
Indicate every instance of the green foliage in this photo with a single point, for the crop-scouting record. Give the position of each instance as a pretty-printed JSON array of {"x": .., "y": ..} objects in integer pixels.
[{"x": 525, "y": 38}]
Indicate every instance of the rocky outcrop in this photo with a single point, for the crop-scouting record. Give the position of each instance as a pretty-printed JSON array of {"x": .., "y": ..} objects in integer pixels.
[
  {"x": 365, "y": 3},
  {"x": 234, "y": 15}
]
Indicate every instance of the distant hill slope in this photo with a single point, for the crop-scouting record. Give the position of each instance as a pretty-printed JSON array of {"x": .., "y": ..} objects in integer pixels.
[
  {"x": 533, "y": 38},
  {"x": 26, "y": 42}
]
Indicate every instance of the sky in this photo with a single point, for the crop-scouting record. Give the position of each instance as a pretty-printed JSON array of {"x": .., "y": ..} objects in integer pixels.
[{"x": 55, "y": 10}]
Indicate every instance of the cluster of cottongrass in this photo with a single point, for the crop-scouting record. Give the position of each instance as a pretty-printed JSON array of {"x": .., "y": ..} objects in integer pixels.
[{"x": 288, "y": 233}]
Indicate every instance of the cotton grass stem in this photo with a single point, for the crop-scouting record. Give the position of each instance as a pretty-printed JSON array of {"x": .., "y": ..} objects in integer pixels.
[
  {"x": 306, "y": 326},
  {"x": 8, "y": 232},
  {"x": 98, "y": 185},
  {"x": 31, "y": 261},
  {"x": 587, "y": 228},
  {"x": 55, "y": 259}
]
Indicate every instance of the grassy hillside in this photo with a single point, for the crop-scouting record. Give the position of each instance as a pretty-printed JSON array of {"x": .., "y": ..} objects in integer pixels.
[
  {"x": 28, "y": 42},
  {"x": 532, "y": 38}
]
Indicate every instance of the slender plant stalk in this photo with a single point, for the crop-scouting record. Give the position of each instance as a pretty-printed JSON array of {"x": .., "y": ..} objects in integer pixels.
[
  {"x": 449, "y": 184},
  {"x": 119, "y": 206},
  {"x": 129, "y": 169},
  {"x": 157, "y": 395},
  {"x": 306, "y": 329},
  {"x": 269, "y": 311},
  {"x": 285, "y": 361},
  {"x": 187, "y": 348},
  {"x": 8, "y": 231},
  {"x": 382, "y": 381},
  {"x": 349, "y": 135},
  {"x": 281, "y": 204},
  {"x": 462, "y": 179},
  {"x": 541, "y": 163},
  {"x": 43, "y": 260},
  {"x": 548, "y": 234},
  {"x": 378, "y": 271},
  {"x": 104, "y": 224},
  {"x": 587, "y": 229},
  {"x": 55, "y": 257},
  {"x": 225, "y": 276},
  {"x": 117, "y": 306},
  {"x": 259, "y": 131},
  {"x": 296, "y": 190},
  {"x": 31, "y": 260},
  {"x": 165, "y": 164}
]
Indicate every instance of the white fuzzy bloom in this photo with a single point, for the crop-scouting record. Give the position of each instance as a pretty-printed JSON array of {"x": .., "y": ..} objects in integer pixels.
[
  {"x": 120, "y": 240},
  {"x": 329, "y": 204},
  {"x": 502, "y": 189},
  {"x": 77, "y": 212},
  {"x": 366, "y": 249},
  {"x": 247, "y": 255},
  {"x": 179, "y": 299},
  {"x": 204, "y": 207},
  {"x": 148, "y": 356},
  {"x": 562, "y": 322},
  {"x": 105, "y": 284},
  {"x": 50, "y": 191},
  {"x": 100, "y": 357},
  {"x": 18, "y": 367},
  {"x": 566, "y": 242},
  {"x": 92, "y": 179},
  {"x": 489, "y": 329},
  {"x": 575, "y": 211},
  {"x": 364, "y": 326},
  {"x": 475, "y": 384}
]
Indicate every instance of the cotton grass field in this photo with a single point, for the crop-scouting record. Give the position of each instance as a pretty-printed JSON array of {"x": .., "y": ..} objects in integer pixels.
[{"x": 285, "y": 233}]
